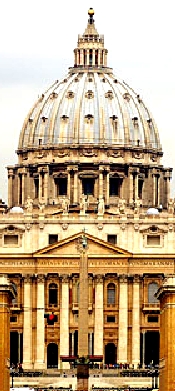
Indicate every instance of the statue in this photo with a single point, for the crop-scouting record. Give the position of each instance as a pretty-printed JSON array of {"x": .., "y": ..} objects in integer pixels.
[
  {"x": 121, "y": 205},
  {"x": 29, "y": 204},
  {"x": 171, "y": 206},
  {"x": 65, "y": 205},
  {"x": 83, "y": 204},
  {"x": 137, "y": 204},
  {"x": 41, "y": 205},
  {"x": 101, "y": 206}
]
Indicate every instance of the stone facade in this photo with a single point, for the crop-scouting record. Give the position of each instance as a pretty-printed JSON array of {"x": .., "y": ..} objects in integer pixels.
[{"x": 89, "y": 157}]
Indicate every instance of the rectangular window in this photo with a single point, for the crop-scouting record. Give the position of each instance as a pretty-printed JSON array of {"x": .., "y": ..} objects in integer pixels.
[
  {"x": 110, "y": 319},
  {"x": 11, "y": 240},
  {"x": 112, "y": 239},
  {"x": 36, "y": 184},
  {"x": 88, "y": 186},
  {"x": 13, "y": 319},
  {"x": 153, "y": 240},
  {"x": 53, "y": 238},
  {"x": 114, "y": 187},
  {"x": 153, "y": 319},
  {"x": 62, "y": 186}
]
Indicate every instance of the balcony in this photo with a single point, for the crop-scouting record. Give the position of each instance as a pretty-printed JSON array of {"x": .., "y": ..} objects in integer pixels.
[
  {"x": 75, "y": 307},
  {"x": 151, "y": 308},
  {"x": 16, "y": 307}
]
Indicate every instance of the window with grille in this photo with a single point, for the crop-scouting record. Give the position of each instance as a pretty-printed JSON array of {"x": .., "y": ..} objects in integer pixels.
[
  {"x": 111, "y": 294},
  {"x": 53, "y": 238},
  {"x": 112, "y": 239},
  {"x": 152, "y": 289}
]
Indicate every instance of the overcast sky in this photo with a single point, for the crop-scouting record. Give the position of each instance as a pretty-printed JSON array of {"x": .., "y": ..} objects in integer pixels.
[{"x": 37, "y": 39}]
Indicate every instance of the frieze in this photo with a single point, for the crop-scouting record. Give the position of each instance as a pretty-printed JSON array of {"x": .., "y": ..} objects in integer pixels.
[
  {"x": 61, "y": 153},
  {"x": 89, "y": 152},
  {"x": 116, "y": 154},
  {"x": 137, "y": 155}
]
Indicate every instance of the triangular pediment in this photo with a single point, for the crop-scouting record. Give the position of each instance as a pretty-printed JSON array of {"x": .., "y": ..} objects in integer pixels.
[{"x": 72, "y": 245}]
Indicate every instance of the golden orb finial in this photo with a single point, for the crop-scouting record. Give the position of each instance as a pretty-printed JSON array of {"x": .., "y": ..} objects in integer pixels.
[{"x": 91, "y": 12}]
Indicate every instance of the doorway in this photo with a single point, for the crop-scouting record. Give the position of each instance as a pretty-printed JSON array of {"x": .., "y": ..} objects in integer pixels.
[{"x": 52, "y": 355}]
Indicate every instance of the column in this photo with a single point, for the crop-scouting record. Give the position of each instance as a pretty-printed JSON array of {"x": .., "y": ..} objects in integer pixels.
[
  {"x": 72, "y": 343},
  {"x": 64, "y": 319},
  {"x": 87, "y": 57},
  {"x": 81, "y": 57},
  {"x": 107, "y": 188},
  {"x": 6, "y": 295},
  {"x": 68, "y": 184},
  {"x": 40, "y": 195},
  {"x": 10, "y": 188},
  {"x": 75, "y": 185},
  {"x": 136, "y": 187},
  {"x": 98, "y": 322},
  {"x": 40, "y": 332},
  {"x": 136, "y": 323},
  {"x": 90, "y": 344},
  {"x": 123, "y": 321},
  {"x": 99, "y": 57},
  {"x": 46, "y": 189},
  {"x": 143, "y": 349},
  {"x": 100, "y": 182},
  {"x": 130, "y": 188},
  {"x": 154, "y": 190},
  {"x": 105, "y": 58},
  {"x": 93, "y": 57},
  {"x": 27, "y": 324}
]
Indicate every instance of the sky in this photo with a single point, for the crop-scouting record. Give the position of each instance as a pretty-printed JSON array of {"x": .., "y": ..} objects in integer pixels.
[{"x": 37, "y": 39}]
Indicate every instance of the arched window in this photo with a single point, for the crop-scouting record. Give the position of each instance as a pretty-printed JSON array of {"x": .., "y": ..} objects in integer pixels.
[
  {"x": 53, "y": 294},
  {"x": 152, "y": 289},
  {"x": 111, "y": 294}
]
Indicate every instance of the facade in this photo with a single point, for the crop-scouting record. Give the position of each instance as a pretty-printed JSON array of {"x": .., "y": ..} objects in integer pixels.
[{"x": 89, "y": 160}]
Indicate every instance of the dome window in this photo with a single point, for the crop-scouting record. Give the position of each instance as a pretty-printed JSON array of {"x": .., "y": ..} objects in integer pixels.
[
  {"x": 127, "y": 96},
  {"x": 109, "y": 94},
  {"x": 54, "y": 95},
  {"x": 90, "y": 80},
  {"x": 89, "y": 94},
  {"x": 44, "y": 119},
  {"x": 70, "y": 95},
  {"x": 135, "y": 122},
  {"x": 76, "y": 79},
  {"x": 65, "y": 80},
  {"x": 89, "y": 116},
  {"x": 30, "y": 120},
  {"x": 104, "y": 80},
  {"x": 64, "y": 117},
  {"x": 115, "y": 81}
]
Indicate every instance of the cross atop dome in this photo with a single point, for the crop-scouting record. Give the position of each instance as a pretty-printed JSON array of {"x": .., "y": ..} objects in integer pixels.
[{"x": 90, "y": 51}]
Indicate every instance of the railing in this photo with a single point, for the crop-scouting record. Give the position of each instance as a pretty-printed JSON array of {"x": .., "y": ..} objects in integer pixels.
[{"x": 155, "y": 307}]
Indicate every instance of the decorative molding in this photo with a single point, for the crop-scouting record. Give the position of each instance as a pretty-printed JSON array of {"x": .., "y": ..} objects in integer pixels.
[
  {"x": 115, "y": 153},
  {"x": 89, "y": 152}
]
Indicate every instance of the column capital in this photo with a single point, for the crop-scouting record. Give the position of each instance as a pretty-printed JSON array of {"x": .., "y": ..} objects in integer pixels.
[
  {"x": 27, "y": 278},
  {"x": 123, "y": 278},
  {"x": 136, "y": 278},
  {"x": 40, "y": 278},
  {"x": 65, "y": 278},
  {"x": 99, "y": 278}
]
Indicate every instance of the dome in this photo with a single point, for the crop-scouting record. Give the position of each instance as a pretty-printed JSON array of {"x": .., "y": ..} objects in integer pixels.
[{"x": 90, "y": 106}]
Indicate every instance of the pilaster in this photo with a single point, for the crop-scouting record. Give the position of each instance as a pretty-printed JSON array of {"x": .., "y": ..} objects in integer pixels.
[
  {"x": 136, "y": 322},
  {"x": 99, "y": 321},
  {"x": 123, "y": 320},
  {"x": 64, "y": 318},
  {"x": 40, "y": 333},
  {"x": 27, "y": 324}
]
